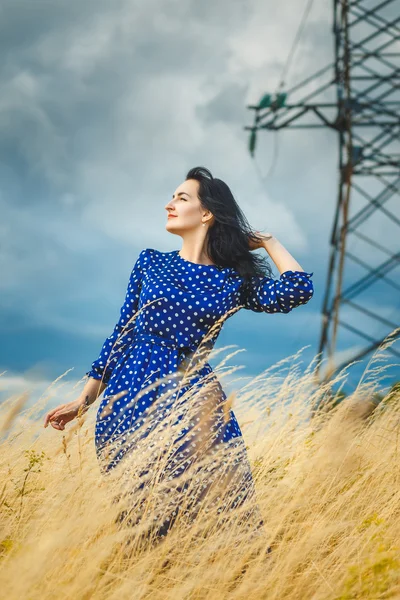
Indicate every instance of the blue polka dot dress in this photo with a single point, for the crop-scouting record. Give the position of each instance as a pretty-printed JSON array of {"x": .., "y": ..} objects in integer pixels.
[{"x": 173, "y": 311}]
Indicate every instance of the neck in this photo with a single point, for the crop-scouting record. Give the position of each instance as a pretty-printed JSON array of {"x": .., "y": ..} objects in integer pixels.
[{"x": 194, "y": 251}]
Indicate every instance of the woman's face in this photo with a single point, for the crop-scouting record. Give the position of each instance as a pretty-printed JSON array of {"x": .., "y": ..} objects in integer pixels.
[{"x": 186, "y": 209}]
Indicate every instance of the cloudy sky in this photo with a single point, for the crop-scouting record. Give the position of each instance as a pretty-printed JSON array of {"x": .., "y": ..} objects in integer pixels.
[{"x": 104, "y": 108}]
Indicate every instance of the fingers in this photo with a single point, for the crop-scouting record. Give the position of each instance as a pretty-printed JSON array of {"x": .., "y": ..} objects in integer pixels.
[
  {"x": 57, "y": 422},
  {"x": 51, "y": 414}
]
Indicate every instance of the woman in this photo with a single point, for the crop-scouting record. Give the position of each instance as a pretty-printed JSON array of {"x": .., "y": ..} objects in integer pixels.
[{"x": 175, "y": 305}]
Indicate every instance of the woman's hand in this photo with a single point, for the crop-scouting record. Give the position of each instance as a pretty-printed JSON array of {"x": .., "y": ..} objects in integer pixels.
[
  {"x": 259, "y": 239},
  {"x": 62, "y": 414}
]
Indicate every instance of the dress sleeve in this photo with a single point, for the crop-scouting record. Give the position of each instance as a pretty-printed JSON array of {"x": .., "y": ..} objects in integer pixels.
[
  {"x": 264, "y": 294},
  {"x": 102, "y": 367}
]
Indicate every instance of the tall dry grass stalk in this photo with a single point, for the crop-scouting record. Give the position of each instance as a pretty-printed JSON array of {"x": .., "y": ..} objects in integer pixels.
[{"x": 327, "y": 483}]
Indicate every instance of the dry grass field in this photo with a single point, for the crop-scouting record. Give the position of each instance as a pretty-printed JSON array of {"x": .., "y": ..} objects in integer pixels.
[{"x": 327, "y": 483}]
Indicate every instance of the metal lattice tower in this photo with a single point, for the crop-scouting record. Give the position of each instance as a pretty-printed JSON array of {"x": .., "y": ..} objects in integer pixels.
[{"x": 358, "y": 97}]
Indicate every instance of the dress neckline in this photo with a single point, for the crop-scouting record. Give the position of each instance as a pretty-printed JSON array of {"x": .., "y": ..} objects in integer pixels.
[{"x": 189, "y": 262}]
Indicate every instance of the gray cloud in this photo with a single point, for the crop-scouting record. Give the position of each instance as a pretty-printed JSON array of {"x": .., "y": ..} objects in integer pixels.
[{"x": 104, "y": 108}]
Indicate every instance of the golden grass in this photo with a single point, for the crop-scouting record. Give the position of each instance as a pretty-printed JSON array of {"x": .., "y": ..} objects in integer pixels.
[{"x": 328, "y": 488}]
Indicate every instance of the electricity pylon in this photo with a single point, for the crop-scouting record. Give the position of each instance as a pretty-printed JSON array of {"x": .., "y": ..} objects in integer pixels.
[{"x": 358, "y": 97}]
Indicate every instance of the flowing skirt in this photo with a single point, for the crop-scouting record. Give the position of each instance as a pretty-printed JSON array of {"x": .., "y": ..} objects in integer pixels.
[{"x": 178, "y": 443}]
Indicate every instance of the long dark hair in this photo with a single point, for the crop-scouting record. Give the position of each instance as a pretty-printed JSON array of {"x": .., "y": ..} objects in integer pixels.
[{"x": 228, "y": 237}]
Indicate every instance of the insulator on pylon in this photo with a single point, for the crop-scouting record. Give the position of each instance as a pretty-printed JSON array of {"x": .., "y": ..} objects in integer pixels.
[
  {"x": 280, "y": 100},
  {"x": 265, "y": 101},
  {"x": 252, "y": 142}
]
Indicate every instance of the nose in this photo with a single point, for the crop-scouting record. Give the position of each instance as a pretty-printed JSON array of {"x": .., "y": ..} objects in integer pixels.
[{"x": 170, "y": 207}]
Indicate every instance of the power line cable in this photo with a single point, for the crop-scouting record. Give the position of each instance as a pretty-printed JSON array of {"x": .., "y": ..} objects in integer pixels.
[
  {"x": 282, "y": 81},
  {"x": 296, "y": 41}
]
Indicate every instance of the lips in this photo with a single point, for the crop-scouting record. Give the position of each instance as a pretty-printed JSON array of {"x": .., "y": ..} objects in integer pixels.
[{"x": 172, "y": 216}]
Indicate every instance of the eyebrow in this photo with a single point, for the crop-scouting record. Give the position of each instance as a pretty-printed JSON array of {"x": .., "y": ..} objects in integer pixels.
[{"x": 180, "y": 194}]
